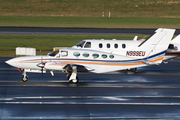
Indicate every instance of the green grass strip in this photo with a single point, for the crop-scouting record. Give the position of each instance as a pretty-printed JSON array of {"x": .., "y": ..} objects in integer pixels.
[
  {"x": 46, "y": 43},
  {"x": 89, "y": 22}
]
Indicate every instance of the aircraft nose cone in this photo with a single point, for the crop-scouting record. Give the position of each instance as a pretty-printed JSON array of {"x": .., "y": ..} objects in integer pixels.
[{"x": 9, "y": 62}]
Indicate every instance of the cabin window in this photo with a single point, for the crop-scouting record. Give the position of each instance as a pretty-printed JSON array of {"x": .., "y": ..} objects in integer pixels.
[
  {"x": 108, "y": 45},
  {"x": 100, "y": 45},
  {"x": 64, "y": 53},
  {"x": 104, "y": 56},
  {"x": 86, "y": 54},
  {"x": 80, "y": 44},
  {"x": 95, "y": 55},
  {"x": 88, "y": 45},
  {"x": 115, "y": 45},
  {"x": 123, "y": 45},
  {"x": 111, "y": 56},
  {"x": 76, "y": 54}
]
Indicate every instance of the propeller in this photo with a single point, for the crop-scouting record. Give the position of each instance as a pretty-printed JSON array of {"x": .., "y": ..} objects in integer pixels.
[{"x": 41, "y": 65}]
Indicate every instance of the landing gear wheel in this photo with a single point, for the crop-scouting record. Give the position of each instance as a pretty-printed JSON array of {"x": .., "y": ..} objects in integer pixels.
[
  {"x": 132, "y": 69},
  {"x": 74, "y": 81},
  {"x": 72, "y": 74},
  {"x": 24, "y": 79}
]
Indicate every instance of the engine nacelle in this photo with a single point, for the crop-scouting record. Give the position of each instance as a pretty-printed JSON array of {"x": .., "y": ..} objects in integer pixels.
[{"x": 54, "y": 66}]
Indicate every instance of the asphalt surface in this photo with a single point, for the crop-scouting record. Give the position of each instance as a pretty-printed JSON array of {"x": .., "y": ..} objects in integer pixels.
[
  {"x": 151, "y": 93},
  {"x": 76, "y": 31}
]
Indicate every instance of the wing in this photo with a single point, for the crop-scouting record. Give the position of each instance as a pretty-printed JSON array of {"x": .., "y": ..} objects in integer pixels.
[{"x": 66, "y": 67}]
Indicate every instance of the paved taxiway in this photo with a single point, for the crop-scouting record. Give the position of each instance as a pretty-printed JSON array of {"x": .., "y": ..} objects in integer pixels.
[
  {"x": 151, "y": 92},
  {"x": 72, "y": 31},
  {"x": 77, "y": 31}
]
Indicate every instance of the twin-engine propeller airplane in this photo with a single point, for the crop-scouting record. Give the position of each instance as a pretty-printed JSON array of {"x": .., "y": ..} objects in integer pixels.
[{"x": 104, "y": 59}]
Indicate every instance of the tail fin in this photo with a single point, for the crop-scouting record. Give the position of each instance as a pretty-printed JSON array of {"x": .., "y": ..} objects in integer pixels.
[
  {"x": 157, "y": 42},
  {"x": 156, "y": 45}
]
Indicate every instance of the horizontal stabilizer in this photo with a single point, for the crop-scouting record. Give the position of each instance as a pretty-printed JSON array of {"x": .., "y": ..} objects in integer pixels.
[{"x": 149, "y": 63}]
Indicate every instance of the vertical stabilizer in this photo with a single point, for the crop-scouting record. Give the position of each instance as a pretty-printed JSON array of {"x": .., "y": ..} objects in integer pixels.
[
  {"x": 157, "y": 42},
  {"x": 156, "y": 45}
]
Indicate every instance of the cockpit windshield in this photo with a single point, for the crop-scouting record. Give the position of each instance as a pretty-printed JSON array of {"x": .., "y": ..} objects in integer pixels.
[
  {"x": 53, "y": 53},
  {"x": 80, "y": 44}
]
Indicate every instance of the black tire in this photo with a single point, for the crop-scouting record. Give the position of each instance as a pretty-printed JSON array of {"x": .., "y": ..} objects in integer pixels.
[
  {"x": 24, "y": 79},
  {"x": 132, "y": 69},
  {"x": 74, "y": 81}
]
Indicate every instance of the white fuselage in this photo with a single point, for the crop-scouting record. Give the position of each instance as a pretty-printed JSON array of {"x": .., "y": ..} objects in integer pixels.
[
  {"x": 121, "y": 46},
  {"x": 93, "y": 60}
]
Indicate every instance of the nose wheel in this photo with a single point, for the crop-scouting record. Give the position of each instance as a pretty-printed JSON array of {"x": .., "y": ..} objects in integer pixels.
[{"x": 24, "y": 79}]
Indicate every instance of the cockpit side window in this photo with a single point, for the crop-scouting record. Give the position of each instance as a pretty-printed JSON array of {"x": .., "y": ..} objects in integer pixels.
[
  {"x": 81, "y": 44},
  {"x": 64, "y": 53},
  {"x": 88, "y": 45},
  {"x": 54, "y": 53}
]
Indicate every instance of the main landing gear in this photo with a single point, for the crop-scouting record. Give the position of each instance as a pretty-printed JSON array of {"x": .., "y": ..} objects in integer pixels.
[
  {"x": 24, "y": 77},
  {"x": 72, "y": 74},
  {"x": 132, "y": 69}
]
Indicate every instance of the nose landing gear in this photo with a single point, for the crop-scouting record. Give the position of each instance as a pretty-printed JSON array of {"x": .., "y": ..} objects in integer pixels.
[{"x": 24, "y": 77}]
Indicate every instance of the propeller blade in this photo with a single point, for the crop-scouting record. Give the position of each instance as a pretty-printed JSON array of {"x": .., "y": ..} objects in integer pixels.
[
  {"x": 42, "y": 72},
  {"x": 42, "y": 66}
]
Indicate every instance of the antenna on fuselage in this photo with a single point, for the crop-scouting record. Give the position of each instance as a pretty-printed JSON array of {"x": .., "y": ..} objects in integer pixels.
[
  {"x": 135, "y": 38},
  {"x": 144, "y": 37}
]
